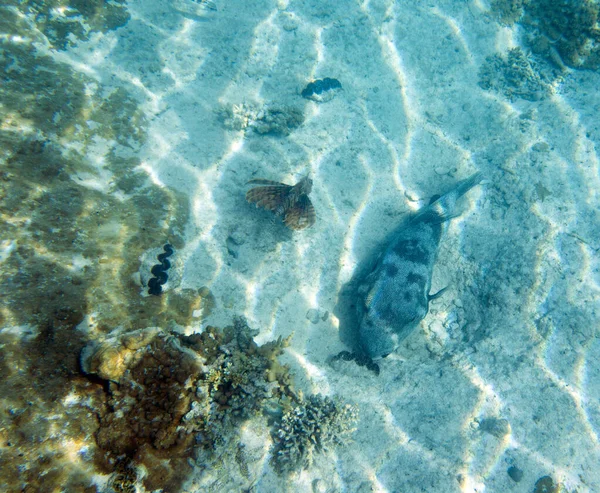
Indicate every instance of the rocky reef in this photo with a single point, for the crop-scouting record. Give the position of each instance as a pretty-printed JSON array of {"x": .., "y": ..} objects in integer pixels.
[
  {"x": 173, "y": 400},
  {"x": 63, "y": 23},
  {"x": 564, "y": 32}
]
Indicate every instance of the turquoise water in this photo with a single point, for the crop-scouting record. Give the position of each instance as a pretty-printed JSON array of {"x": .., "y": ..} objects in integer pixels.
[{"x": 127, "y": 127}]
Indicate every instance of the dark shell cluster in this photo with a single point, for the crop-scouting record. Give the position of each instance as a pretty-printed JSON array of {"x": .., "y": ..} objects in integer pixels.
[
  {"x": 159, "y": 271},
  {"x": 321, "y": 90}
]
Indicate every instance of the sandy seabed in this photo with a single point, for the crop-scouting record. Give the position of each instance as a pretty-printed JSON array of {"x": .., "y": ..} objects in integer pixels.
[{"x": 505, "y": 369}]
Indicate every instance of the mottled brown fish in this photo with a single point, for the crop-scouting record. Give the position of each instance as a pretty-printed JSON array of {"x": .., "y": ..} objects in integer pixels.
[{"x": 290, "y": 202}]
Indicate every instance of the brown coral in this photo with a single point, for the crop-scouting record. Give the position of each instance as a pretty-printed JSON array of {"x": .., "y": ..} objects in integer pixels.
[{"x": 179, "y": 397}]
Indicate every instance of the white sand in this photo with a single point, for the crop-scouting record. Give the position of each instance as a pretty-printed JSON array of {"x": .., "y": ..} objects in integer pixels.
[{"x": 515, "y": 337}]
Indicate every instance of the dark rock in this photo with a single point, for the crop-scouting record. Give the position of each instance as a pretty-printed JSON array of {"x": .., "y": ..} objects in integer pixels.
[
  {"x": 515, "y": 473},
  {"x": 495, "y": 426},
  {"x": 232, "y": 247}
]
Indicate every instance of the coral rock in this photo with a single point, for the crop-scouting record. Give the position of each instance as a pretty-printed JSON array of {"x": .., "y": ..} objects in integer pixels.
[{"x": 314, "y": 425}]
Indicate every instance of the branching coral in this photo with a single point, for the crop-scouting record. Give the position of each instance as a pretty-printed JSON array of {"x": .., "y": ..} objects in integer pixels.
[
  {"x": 316, "y": 424},
  {"x": 514, "y": 75}
]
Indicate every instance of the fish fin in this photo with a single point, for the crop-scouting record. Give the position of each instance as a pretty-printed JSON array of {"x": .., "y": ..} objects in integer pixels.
[
  {"x": 448, "y": 217},
  {"x": 301, "y": 214},
  {"x": 262, "y": 181},
  {"x": 369, "y": 298},
  {"x": 435, "y": 296},
  {"x": 270, "y": 197},
  {"x": 447, "y": 202},
  {"x": 465, "y": 185},
  {"x": 434, "y": 217}
]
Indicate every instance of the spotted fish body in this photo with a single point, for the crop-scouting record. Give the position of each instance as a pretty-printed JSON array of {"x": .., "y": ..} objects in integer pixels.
[{"x": 394, "y": 297}]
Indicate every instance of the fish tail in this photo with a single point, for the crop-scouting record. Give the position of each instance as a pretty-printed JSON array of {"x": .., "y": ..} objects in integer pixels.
[
  {"x": 445, "y": 205},
  {"x": 464, "y": 186}
]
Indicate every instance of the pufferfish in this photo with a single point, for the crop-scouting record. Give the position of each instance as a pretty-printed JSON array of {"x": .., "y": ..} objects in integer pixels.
[
  {"x": 394, "y": 297},
  {"x": 290, "y": 202}
]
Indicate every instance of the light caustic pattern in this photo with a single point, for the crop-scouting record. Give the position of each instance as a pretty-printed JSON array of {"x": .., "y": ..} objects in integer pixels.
[{"x": 409, "y": 123}]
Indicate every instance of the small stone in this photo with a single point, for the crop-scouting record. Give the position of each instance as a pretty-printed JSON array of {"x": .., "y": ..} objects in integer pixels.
[
  {"x": 237, "y": 237},
  {"x": 232, "y": 247},
  {"x": 313, "y": 315},
  {"x": 540, "y": 147},
  {"x": 318, "y": 486},
  {"x": 495, "y": 426},
  {"x": 289, "y": 22},
  {"x": 515, "y": 473}
]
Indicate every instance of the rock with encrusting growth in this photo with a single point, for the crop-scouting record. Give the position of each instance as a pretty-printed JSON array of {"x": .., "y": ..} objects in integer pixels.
[
  {"x": 546, "y": 485},
  {"x": 271, "y": 118},
  {"x": 316, "y": 424},
  {"x": 110, "y": 359},
  {"x": 181, "y": 397},
  {"x": 515, "y": 76}
]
